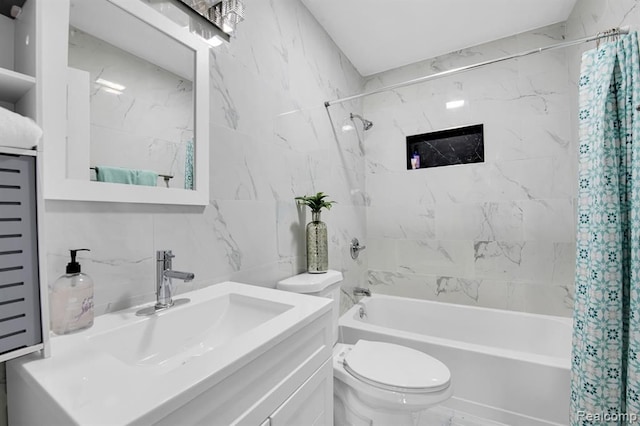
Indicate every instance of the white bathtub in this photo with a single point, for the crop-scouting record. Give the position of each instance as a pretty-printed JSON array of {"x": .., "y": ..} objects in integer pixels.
[{"x": 506, "y": 366}]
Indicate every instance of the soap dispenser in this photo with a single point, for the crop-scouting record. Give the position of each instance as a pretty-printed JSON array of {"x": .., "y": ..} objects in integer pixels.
[{"x": 71, "y": 299}]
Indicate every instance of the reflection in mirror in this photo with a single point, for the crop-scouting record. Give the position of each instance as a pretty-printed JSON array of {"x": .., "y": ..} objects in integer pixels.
[{"x": 137, "y": 115}]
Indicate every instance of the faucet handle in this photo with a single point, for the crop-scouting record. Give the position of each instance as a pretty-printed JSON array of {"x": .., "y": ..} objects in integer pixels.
[
  {"x": 164, "y": 255},
  {"x": 355, "y": 248}
]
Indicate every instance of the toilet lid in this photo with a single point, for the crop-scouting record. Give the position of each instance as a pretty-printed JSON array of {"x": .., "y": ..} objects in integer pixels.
[{"x": 396, "y": 367}]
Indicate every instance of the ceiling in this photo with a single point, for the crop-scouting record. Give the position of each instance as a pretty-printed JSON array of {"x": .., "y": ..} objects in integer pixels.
[{"x": 378, "y": 35}]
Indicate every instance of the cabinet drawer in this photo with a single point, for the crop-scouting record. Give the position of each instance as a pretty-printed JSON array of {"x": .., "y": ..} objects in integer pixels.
[{"x": 311, "y": 404}]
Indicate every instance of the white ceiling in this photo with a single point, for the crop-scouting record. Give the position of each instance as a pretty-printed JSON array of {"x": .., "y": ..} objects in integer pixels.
[{"x": 378, "y": 35}]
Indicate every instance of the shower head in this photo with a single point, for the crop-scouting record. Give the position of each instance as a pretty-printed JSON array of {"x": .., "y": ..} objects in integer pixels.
[{"x": 366, "y": 124}]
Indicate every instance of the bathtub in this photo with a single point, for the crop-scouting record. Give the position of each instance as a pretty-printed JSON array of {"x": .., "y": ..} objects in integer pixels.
[{"x": 506, "y": 366}]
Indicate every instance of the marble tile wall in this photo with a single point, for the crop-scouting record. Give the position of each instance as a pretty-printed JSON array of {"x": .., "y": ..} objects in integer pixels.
[
  {"x": 271, "y": 140},
  {"x": 496, "y": 234}
]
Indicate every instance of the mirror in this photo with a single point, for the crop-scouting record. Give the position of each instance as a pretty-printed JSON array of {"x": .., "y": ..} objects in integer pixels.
[
  {"x": 140, "y": 114},
  {"x": 135, "y": 126}
]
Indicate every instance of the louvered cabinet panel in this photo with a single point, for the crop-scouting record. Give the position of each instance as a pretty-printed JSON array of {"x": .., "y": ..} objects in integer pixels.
[{"x": 20, "y": 323}]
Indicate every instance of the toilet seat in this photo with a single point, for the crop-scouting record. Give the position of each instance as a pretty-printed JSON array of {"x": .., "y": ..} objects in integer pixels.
[
  {"x": 396, "y": 368},
  {"x": 355, "y": 390}
]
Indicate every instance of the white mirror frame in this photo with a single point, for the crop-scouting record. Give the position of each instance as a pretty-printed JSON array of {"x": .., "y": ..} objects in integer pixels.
[{"x": 51, "y": 71}]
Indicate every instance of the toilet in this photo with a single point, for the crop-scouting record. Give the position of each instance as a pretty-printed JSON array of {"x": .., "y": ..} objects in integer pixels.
[{"x": 375, "y": 383}]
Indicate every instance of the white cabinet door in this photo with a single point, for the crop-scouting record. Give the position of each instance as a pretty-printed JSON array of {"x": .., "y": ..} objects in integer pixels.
[
  {"x": 20, "y": 321},
  {"x": 311, "y": 404}
]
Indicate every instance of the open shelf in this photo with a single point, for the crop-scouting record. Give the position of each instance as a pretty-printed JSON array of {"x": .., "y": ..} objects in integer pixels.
[{"x": 14, "y": 85}]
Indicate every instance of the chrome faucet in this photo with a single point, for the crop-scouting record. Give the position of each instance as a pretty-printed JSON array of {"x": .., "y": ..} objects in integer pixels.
[
  {"x": 360, "y": 291},
  {"x": 164, "y": 284},
  {"x": 164, "y": 274}
]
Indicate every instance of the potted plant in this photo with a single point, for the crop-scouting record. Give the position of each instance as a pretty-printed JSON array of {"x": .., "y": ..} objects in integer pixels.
[{"x": 317, "y": 244}]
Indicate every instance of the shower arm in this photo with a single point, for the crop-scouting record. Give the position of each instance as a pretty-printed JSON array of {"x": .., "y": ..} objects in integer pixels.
[{"x": 366, "y": 124}]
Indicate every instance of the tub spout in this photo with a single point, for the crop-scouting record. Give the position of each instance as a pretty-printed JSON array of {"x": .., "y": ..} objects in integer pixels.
[{"x": 360, "y": 291}]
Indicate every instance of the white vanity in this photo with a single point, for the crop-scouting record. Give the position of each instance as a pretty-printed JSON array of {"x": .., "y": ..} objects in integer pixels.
[{"x": 235, "y": 354}]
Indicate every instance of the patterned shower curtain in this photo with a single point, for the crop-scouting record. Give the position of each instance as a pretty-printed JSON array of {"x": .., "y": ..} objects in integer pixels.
[
  {"x": 188, "y": 165},
  {"x": 605, "y": 371}
]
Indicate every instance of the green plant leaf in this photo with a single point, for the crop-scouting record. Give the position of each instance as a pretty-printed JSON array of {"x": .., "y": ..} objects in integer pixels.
[{"x": 315, "y": 202}]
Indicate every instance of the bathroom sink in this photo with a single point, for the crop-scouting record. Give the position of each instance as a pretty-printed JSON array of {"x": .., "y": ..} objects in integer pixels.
[
  {"x": 133, "y": 370},
  {"x": 172, "y": 336}
]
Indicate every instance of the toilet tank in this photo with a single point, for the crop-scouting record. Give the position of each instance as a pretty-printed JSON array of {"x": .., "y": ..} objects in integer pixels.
[{"x": 322, "y": 285}]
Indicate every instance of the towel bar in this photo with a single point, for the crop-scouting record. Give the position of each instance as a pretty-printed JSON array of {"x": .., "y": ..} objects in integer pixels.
[{"x": 165, "y": 177}]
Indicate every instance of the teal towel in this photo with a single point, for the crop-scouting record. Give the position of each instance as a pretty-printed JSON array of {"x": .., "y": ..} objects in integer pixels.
[
  {"x": 127, "y": 176},
  {"x": 146, "y": 178},
  {"x": 115, "y": 175}
]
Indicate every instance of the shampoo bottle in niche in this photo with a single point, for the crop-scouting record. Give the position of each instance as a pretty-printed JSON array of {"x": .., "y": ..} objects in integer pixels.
[{"x": 71, "y": 299}]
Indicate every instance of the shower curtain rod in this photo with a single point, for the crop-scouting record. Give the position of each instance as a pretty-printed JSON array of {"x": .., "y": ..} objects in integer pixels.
[{"x": 609, "y": 33}]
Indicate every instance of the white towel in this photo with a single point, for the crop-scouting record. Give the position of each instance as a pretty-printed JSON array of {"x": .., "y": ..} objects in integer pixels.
[{"x": 18, "y": 131}]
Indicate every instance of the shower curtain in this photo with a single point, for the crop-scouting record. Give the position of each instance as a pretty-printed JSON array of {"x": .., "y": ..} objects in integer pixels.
[
  {"x": 605, "y": 370},
  {"x": 188, "y": 165}
]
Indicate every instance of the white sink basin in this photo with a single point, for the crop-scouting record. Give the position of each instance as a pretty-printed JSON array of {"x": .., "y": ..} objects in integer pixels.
[
  {"x": 131, "y": 370},
  {"x": 169, "y": 337}
]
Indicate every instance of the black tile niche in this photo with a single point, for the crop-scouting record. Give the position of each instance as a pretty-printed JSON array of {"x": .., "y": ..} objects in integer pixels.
[{"x": 462, "y": 145}]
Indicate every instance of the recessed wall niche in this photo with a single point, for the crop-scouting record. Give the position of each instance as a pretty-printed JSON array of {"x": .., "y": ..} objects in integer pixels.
[{"x": 461, "y": 145}]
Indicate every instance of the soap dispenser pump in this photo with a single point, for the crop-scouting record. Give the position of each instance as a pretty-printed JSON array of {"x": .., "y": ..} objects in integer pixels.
[{"x": 71, "y": 299}]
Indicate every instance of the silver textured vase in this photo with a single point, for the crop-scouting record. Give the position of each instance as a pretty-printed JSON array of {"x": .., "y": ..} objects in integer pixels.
[{"x": 317, "y": 248}]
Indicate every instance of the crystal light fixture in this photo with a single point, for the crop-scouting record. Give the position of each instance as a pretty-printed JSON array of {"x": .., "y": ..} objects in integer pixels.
[
  {"x": 225, "y": 14},
  {"x": 232, "y": 12}
]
